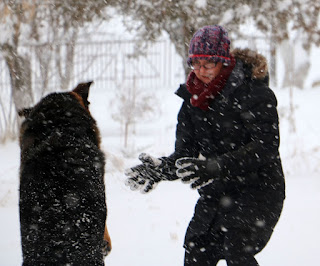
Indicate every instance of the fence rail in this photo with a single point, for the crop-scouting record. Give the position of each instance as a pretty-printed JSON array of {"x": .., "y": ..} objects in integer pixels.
[{"x": 109, "y": 64}]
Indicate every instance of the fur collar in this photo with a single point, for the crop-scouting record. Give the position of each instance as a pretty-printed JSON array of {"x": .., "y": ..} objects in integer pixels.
[{"x": 257, "y": 61}]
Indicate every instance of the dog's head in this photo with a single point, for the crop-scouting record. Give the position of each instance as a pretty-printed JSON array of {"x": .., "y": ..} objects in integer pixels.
[
  {"x": 57, "y": 112},
  {"x": 81, "y": 93}
]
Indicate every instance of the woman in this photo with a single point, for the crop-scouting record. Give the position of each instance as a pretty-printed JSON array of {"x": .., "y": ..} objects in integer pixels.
[{"x": 227, "y": 142}]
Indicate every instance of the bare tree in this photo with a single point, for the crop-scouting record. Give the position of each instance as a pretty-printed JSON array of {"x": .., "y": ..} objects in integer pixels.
[
  {"x": 180, "y": 18},
  {"x": 8, "y": 127},
  {"x": 134, "y": 105},
  {"x": 44, "y": 24},
  {"x": 16, "y": 14}
]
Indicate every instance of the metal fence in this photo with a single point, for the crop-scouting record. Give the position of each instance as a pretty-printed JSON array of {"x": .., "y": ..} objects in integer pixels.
[{"x": 109, "y": 64}]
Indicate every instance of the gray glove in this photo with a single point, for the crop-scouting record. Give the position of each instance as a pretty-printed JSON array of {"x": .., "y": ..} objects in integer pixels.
[
  {"x": 146, "y": 176},
  {"x": 198, "y": 172}
]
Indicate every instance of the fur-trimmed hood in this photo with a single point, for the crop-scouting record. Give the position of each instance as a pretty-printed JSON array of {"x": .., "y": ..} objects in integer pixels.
[
  {"x": 249, "y": 64},
  {"x": 257, "y": 61}
]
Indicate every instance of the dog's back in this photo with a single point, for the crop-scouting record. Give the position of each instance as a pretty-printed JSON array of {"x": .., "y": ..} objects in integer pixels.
[{"x": 62, "y": 193}]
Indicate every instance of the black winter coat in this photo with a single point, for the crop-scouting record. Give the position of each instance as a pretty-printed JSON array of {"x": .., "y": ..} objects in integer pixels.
[{"x": 241, "y": 131}]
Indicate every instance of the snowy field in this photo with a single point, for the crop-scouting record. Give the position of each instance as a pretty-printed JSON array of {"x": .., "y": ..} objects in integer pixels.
[{"x": 148, "y": 229}]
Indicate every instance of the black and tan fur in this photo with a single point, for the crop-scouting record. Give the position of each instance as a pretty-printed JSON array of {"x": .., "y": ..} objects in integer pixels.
[{"x": 62, "y": 193}]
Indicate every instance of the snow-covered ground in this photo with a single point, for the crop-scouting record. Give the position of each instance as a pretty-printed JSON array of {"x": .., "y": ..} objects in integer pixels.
[{"x": 148, "y": 229}]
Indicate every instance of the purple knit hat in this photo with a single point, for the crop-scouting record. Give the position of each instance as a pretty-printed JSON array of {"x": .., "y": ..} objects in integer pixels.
[{"x": 210, "y": 42}]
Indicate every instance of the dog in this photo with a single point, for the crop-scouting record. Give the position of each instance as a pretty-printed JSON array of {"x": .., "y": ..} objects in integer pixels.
[{"x": 62, "y": 193}]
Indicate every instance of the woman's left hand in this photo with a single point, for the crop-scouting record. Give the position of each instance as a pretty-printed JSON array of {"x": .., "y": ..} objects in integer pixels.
[{"x": 198, "y": 172}]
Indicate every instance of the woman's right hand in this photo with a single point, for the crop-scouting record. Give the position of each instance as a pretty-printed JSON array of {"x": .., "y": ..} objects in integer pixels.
[{"x": 145, "y": 176}]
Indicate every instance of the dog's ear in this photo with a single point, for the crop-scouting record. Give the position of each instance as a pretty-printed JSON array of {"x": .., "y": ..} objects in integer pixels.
[
  {"x": 25, "y": 112},
  {"x": 83, "y": 91}
]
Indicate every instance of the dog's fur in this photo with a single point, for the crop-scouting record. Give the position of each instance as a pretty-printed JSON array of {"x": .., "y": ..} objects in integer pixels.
[{"x": 62, "y": 194}]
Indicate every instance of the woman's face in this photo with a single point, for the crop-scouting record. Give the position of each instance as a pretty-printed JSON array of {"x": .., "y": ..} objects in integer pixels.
[{"x": 206, "y": 71}]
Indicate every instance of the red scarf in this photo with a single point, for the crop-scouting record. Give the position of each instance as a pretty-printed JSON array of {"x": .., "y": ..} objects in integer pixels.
[{"x": 203, "y": 93}]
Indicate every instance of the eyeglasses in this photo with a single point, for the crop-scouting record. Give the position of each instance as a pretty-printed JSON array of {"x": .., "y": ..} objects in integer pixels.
[{"x": 197, "y": 66}]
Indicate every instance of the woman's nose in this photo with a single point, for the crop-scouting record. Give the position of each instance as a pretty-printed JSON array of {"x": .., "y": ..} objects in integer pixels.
[{"x": 202, "y": 69}]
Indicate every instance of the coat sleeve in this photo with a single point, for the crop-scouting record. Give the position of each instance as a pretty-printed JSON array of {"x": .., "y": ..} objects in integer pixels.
[
  {"x": 184, "y": 145},
  {"x": 260, "y": 118}
]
